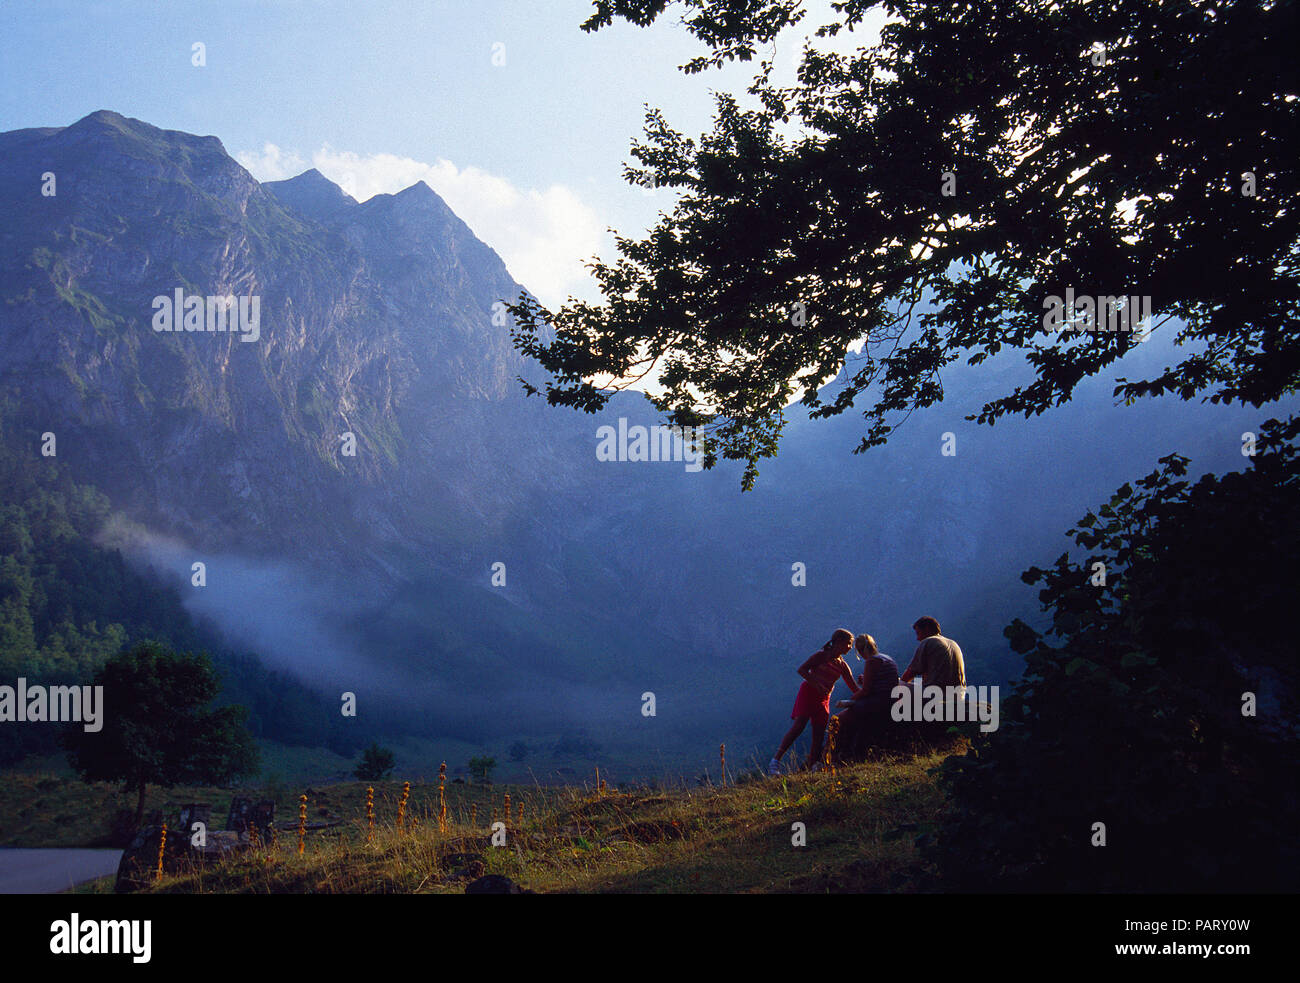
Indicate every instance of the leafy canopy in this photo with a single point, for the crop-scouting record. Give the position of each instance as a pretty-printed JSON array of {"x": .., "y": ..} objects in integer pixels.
[
  {"x": 158, "y": 728},
  {"x": 480, "y": 769},
  {"x": 814, "y": 217},
  {"x": 376, "y": 763},
  {"x": 1135, "y": 718}
]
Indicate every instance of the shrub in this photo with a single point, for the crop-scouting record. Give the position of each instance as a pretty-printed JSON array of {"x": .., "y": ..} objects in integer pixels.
[
  {"x": 376, "y": 764},
  {"x": 1136, "y": 720}
]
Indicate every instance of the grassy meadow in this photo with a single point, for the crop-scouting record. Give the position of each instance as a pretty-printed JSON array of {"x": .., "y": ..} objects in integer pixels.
[{"x": 860, "y": 827}]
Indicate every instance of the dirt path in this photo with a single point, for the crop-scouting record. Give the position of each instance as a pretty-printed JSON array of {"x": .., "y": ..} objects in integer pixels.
[{"x": 51, "y": 871}]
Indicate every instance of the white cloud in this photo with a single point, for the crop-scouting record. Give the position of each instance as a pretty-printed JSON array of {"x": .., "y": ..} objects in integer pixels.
[{"x": 543, "y": 236}]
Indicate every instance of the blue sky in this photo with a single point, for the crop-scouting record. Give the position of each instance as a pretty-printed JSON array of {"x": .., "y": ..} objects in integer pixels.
[{"x": 382, "y": 93}]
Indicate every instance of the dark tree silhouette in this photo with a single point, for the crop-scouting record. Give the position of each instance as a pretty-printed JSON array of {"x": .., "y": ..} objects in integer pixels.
[
  {"x": 158, "y": 728},
  {"x": 985, "y": 157},
  {"x": 1150, "y": 714},
  {"x": 480, "y": 769},
  {"x": 376, "y": 763}
]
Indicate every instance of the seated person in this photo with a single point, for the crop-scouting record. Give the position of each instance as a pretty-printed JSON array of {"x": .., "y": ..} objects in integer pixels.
[
  {"x": 938, "y": 660},
  {"x": 867, "y": 713}
]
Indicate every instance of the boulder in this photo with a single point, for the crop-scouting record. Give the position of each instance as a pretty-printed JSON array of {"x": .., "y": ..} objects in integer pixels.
[{"x": 495, "y": 884}]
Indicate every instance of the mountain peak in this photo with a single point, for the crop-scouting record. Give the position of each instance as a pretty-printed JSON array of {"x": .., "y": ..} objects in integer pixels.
[
  {"x": 106, "y": 124},
  {"x": 420, "y": 199},
  {"x": 313, "y": 194},
  {"x": 419, "y": 191},
  {"x": 106, "y": 119},
  {"x": 309, "y": 178},
  {"x": 419, "y": 202},
  {"x": 105, "y": 116}
]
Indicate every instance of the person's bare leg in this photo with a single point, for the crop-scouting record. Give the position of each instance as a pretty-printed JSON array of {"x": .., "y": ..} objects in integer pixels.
[{"x": 790, "y": 737}]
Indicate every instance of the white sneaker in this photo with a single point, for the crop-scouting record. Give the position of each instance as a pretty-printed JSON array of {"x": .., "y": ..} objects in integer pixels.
[{"x": 774, "y": 767}]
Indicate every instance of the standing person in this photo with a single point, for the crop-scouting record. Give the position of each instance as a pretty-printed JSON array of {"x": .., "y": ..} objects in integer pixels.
[
  {"x": 938, "y": 660},
  {"x": 820, "y": 672},
  {"x": 868, "y": 711}
]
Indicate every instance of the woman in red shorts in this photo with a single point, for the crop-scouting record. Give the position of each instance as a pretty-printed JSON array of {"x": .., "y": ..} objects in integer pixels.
[{"x": 820, "y": 673}]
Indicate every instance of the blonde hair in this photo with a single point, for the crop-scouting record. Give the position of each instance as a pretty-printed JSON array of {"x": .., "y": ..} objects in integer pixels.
[{"x": 866, "y": 646}]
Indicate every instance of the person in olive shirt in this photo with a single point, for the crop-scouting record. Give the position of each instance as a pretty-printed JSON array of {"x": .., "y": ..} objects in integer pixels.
[{"x": 938, "y": 660}]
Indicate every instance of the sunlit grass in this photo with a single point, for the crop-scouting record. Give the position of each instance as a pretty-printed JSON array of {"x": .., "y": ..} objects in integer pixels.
[{"x": 861, "y": 824}]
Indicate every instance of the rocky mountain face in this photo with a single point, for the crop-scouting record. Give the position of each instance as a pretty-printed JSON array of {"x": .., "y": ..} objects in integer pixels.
[
  {"x": 352, "y": 474},
  {"x": 367, "y": 324}
]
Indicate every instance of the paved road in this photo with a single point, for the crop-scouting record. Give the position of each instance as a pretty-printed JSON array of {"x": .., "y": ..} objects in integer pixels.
[{"x": 51, "y": 871}]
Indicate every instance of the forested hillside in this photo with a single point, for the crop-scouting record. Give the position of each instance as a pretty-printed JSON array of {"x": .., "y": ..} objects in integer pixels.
[{"x": 67, "y": 604}]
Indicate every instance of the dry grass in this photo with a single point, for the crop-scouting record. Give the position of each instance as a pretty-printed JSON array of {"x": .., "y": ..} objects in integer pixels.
[{"x": 860, "y": 823}]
